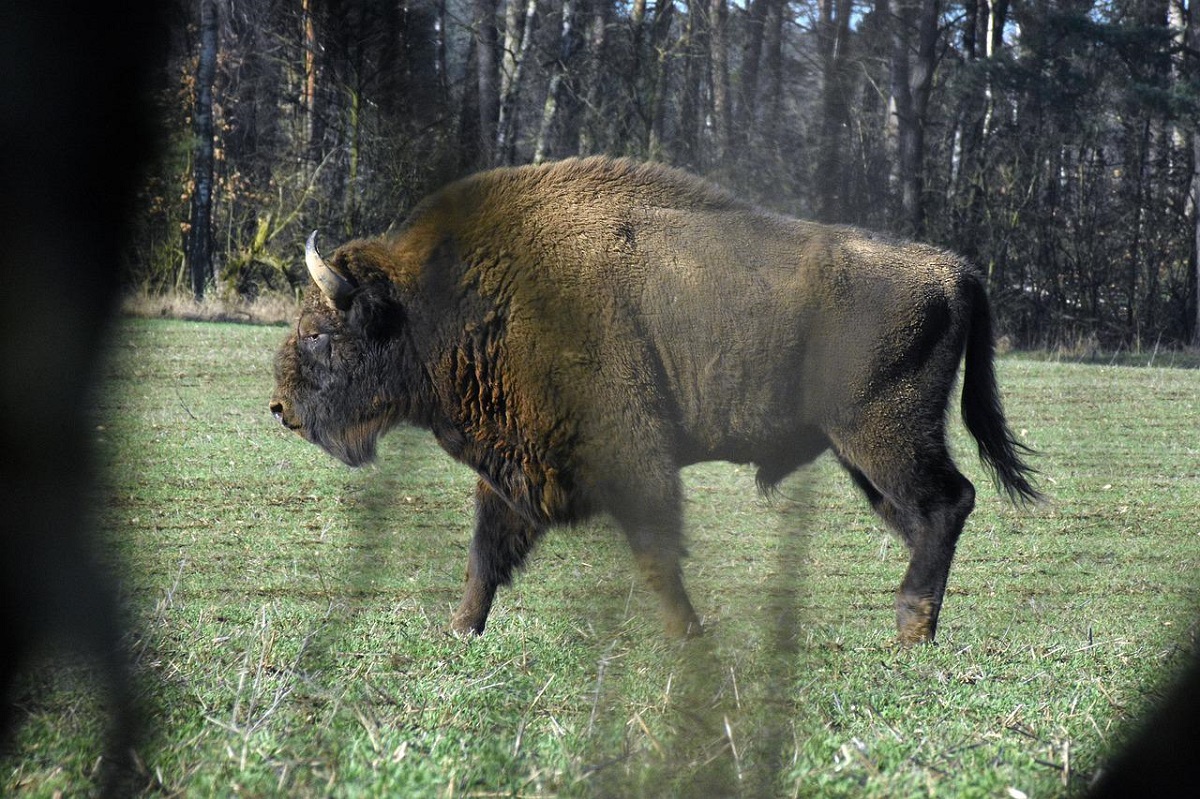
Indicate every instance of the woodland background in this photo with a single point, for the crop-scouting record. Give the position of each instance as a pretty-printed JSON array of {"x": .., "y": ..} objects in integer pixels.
[{"x": 1054, "y": 142}]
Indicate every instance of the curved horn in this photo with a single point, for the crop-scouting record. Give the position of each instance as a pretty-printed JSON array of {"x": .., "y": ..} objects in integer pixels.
[{"x": 335, "y": 287}]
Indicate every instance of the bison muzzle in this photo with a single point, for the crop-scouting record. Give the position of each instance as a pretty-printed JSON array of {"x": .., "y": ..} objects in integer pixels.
[{"x": 578, "y": 332}]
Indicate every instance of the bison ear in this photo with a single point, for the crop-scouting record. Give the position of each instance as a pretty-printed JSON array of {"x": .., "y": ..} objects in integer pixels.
[
  {"x": 337, "y": 289},
  {"x": 376, "y": 312}
]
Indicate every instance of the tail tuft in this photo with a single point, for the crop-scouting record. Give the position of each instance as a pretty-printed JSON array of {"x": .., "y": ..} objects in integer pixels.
[{"x": 983, "y": 412}]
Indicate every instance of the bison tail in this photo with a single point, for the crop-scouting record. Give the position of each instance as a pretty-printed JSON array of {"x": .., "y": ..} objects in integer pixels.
[{"x": 983, "y": 412}]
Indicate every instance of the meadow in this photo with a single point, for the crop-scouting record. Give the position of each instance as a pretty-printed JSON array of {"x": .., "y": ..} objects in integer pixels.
[{"x": 290, "y": 614}]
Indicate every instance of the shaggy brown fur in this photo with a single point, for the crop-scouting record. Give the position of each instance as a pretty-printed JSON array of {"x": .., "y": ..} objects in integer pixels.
[{"x": 578, "y": 332}]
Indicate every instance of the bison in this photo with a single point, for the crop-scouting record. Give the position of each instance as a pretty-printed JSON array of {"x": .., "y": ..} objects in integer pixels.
[{"x": 579, "y": 331}]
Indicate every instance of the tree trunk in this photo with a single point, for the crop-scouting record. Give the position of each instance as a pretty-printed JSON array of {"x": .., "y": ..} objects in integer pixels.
[
  {"x": 694, "y": 48},
  {"x": 308, "y": 93},
  {"x": 773, "y": 61},
  {"x": 833, "y": 38},
  {"x": 747, "y": 105},
  {"x": 659, "y": 79},
  {"x": 596, "y": 129},
  {"x": 200, "y": 263},
  {"x": 722, "y": 104},
  {"x": 1196, "y": 233},
  {"x": 997, "y": 13},
  {"x": 1190, "y": 24},
  {"x": 440, "y": 47},
  {"x": 637, "y": 78},
  {"x": 554, "y": 90},
  {"x": 518, "y": 35},
  {"x": 487, "y": 63},
  {"x": 353, "y": 155},
  {"x": 912, "y": 81}
]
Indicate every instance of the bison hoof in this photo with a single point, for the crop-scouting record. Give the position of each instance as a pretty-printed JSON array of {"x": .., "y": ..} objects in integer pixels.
[
  {"x": 916, "y": 620},
  {"x": 466, "y": 626},
  {"x": 684, "y": 628}
]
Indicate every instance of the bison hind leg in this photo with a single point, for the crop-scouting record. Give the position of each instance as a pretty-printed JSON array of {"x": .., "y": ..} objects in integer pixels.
[
  {"x": 653, "y": 524},
  {"x": 927, "y": 502},
  {"x": 892, "y": 515}
]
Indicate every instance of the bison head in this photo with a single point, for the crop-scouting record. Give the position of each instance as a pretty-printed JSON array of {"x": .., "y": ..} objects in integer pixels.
[{"x": 335, "y": 374}]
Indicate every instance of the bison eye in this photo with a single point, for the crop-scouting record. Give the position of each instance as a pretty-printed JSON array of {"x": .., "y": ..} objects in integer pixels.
[{"x": 317, "y": 344}]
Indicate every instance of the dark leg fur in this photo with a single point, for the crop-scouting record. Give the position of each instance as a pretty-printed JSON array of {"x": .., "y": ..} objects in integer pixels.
[
  {"x": 501, "y": 543},
  {"x": 879, "y": 503},
  {"x": 928, "y": 510},
  {"x": 920, "y": 597}
]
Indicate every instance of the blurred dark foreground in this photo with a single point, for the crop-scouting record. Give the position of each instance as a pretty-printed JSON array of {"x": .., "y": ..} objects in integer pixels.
[{"x": 75, "y": 130}]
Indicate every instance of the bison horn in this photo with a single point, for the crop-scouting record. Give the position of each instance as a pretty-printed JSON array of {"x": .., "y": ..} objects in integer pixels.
[{"x": 335, "y": 287}]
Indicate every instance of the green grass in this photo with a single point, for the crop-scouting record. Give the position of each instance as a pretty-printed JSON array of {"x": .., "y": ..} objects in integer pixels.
[{"x": 291, "y": 613}]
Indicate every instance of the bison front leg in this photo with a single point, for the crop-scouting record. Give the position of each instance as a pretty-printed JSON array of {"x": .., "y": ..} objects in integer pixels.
[
  {"x": 656, "y": 538},
  {"x": 501, "y": 542}
]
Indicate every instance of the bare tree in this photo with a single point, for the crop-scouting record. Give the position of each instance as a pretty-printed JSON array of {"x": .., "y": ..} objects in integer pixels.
[
  {"x": 487, "y": 62},
  {"x": 595, "y": 133},
  {"x": 722, "y": 101},
  {"x": 519, "y": 18},
  {"x": 914, "y": 59},
  {"x": 833, "y": 44},
  {"x": 200, "y": 256},
  {"x": 694, "y": 51},
  {"x": 308, "y": 94},
  {"x": 983, "y": 125},
  {"x": 776, "y": 15},
  {"x": 554, "y": 89},
  {"x": 747, "y": 98}
]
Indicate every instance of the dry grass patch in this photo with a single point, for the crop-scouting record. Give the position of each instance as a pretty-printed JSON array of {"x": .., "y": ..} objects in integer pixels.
[{"x": 269, "y": 309}]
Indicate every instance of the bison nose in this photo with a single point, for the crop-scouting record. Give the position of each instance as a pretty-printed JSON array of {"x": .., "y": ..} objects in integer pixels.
[{"x": 283, "y": 414}]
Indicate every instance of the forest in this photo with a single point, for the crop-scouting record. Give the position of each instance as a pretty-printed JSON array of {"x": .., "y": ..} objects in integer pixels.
[{"x": 1056, "y": 143}]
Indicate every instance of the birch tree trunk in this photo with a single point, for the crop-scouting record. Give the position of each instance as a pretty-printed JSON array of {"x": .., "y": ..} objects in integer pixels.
[
  {"x": 554, "y": 90},
  {"x": 518, "y": 35}
]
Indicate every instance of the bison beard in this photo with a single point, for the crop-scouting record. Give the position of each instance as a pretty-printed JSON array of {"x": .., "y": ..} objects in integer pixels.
[
  {"x": 578, "y": 332},
  {"x": 350, "y": 440}
]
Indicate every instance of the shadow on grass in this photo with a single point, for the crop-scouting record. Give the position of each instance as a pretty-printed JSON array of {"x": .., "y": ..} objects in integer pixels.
[{"x": 729, "y": 718}]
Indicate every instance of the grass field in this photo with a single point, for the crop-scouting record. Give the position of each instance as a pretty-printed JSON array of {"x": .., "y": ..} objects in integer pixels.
[{"x": 291, "y": 613}]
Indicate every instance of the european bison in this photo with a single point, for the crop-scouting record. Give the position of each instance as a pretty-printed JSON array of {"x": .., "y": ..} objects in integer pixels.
[{"x": 577, "y": 332}]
